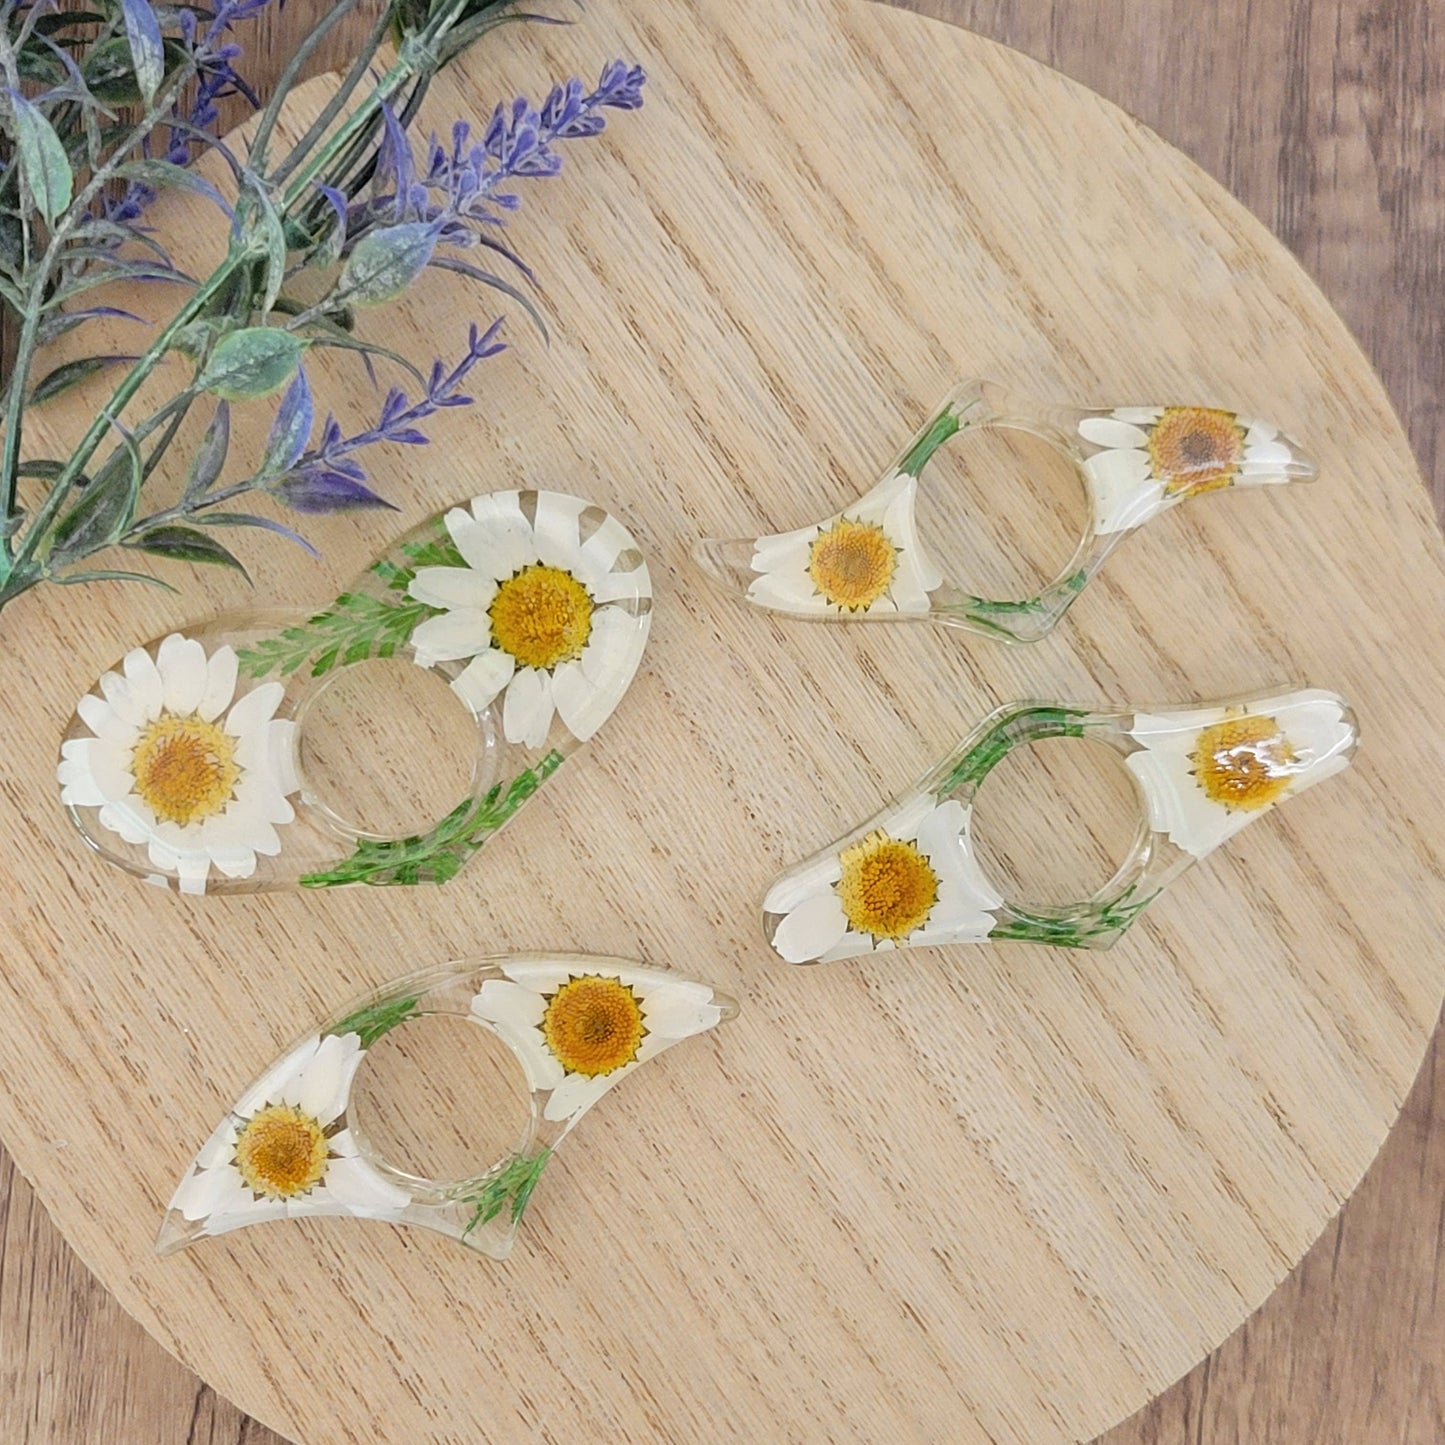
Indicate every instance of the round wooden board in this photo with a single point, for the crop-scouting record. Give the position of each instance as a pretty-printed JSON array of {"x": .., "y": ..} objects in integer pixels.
[{"x": 979, "y": 1194}]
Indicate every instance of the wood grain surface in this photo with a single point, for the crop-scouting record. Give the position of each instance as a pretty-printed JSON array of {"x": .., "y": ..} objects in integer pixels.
[{"x": 1373, "y": 1339}]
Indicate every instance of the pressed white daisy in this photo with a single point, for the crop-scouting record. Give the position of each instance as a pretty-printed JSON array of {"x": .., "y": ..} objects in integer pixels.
[
  {"x": 166, "y": 770},
  {"x": 539, "y": 612},
  {"x": 866, "y": 560},
  {"x": 912, "y": 880},
  {"x": 1206, "y": 773},
  {"x": 1151, "y": 456},
  {"x": 578, "y": 1029},
  {"x": 284, "y": 1151}
]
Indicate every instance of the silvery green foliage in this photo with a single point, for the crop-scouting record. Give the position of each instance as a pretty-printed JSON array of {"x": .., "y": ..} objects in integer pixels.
[{"x": 99, "y": 116}]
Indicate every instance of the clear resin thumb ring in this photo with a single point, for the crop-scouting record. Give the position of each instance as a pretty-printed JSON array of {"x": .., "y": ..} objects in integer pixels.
[
  {"x": 191, "y": 764},
  {"x": 911, "y": 874},
  {"x": 291, "y": 1146},
  {"x": 869, "y": 562}
]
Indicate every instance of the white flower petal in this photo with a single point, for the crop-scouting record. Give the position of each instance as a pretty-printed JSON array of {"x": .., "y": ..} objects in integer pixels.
[
  {"x": 269, "y": 1087},
  {"x": 181, "y": 662},
  {"x": 632, "y": 586},
  {"x": 484, "y": 677},
  {"x": 494, "y": 537},
  {"x": 598, "y": 553},
  {"x": 144, "y": 682},
  {"x": 192, "y": 869},
  {"x": 323, "y": 1085},
  {"x": 452, "y": 587},
  {"x": 802, "y": 882},
  {"x": 220, "y": 685},
  {"x": 1267, "y": 457},
  {"x": 514, "y": 1012},
  {"x": 577, "y": 1093},
  {"x": 245, "y": 1210},
  {"x": 679, "y": 1015},
  {"x": 527, "y": 711},
  {"x": 788, "y": 592},
  {"x": 953, "y": 922},
  {"x": 354, "y": 1184},
  {"x": 256, "y": 707},
  {"x": 650, "y": 984},
  {"x": 582, "y": 706},
  {"x": 1111, "y": 432},
  {"x": 125, "y": 816},
  {"x": 908, "y": 815},
  {"x": 853, "y": 945},
  {"x": 785, "y": 551},
  {"x": 874, "y": 505},
  {"x": 1314, "y": 725},
  {"x": 811, "y": 929},
  {"x": 1177, "y": 807},
  {"x": 105, "y": 722},
  {"x": 450, "y": 636},
  {"x": 1138, "y": 415},
  {"x": 219, "y": 1147},
  {"x": 510, "y": 1002},
  {"x": 1123, "y": 493},
  {"x": 204, "y": 1191},
  {"x": 79, "y": 786},
  {"x": 112, "y": 768},
  {"x": 129, "y": 709},
  {"x": 490, "y": 508},
  {"x": 917, "y": 574},
  {"x": 614, "y": 647},
  {"x": 556, "y": 529}
]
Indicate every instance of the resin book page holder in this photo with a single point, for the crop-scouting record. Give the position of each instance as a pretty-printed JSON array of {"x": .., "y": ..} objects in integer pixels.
[
  {"x": 187, "y": 765},
  {"x": 911, "y": 874},
  {"x": 869, "y": 562},
  {"x": 291, "y": 1147}
]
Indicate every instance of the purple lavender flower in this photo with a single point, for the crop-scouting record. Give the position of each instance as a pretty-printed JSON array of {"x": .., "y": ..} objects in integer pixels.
[
  {"x": 327, "y": 478},
  {"x": 464, "y": 188},
  {"x": 315, "y": 489},
  {"x": 217, "y": 79}
]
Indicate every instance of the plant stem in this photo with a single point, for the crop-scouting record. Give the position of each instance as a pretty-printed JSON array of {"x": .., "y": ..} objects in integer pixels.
[
  {"x": 108, "y": 414},
  {"x": 30, "y": 326},
  {"x": 333, "y": 107},
  {"x": 262, "y": 138},
  {"x": 18, "y": 568}
]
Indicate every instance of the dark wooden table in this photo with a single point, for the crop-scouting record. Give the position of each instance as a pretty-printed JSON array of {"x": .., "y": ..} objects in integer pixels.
[{"x": 1326, "y": 118}]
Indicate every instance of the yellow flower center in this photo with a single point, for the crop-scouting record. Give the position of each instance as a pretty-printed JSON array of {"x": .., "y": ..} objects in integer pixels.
[
  {"x": 185, "y": 768},
  {"x": 1196, "y": 449},
  {"x": 1243, "y": 762},
  {"x": 852, "y": 563},
  {"x": 281, "y": 1152},
  {"x": 888, "y": 887},
  {"x": 594, "y": 1025},
  {"x": 542, "y": 616}
]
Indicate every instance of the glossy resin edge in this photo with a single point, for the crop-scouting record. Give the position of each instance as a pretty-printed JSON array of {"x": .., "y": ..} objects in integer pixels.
[
  {"x": 290, "y": 1147},
  {"x": 869, "y": 561},
  {"x": 911, "y": 875}
]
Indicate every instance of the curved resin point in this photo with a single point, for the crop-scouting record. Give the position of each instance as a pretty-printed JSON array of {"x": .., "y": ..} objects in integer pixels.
[
  {"x": 184, "y": 766},
  {"x": 911, "y": 875},
  {"x": 869, "y": 563},
  {"x": 290, "y": 1147}
]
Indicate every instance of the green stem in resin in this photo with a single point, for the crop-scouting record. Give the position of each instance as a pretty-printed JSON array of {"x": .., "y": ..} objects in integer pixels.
[{"x": 437, "y": 856}]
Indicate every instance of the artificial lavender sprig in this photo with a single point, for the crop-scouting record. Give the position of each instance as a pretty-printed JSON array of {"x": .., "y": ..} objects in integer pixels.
[
  {"x": 329, "y": 479},
  {"x": 463, "y": 189},
  {"x": 243, "y": 334}
]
